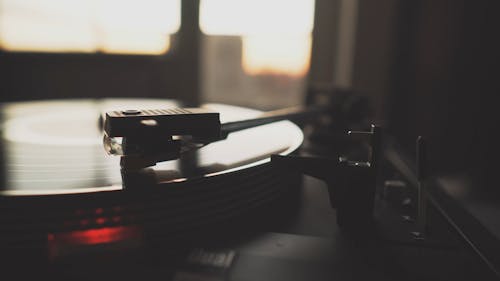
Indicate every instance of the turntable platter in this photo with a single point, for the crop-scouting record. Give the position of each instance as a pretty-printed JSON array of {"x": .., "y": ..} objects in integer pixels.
[{"x": 57, "y": 181}]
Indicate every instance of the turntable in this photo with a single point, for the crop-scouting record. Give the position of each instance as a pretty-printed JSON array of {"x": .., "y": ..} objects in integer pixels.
[
  {"x": 71, "y": 210},
  {"x": 60, "y": 185},
  {"x": 241, "y": 195},
  {"x": 227, "y": 205}
]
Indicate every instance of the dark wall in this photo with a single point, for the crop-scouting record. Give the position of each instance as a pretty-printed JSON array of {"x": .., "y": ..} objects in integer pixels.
[
  {"x": 446, "y": 82},
  {"x": 25, "y": 76}
]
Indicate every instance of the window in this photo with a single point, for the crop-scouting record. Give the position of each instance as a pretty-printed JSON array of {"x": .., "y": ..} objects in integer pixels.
[
  {"x": 276, "y": 34},
  {"x": 256, "y": 52},
  {"x": 108, "y": 26}
]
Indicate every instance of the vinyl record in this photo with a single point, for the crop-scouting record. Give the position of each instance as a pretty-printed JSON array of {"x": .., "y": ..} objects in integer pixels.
[{"x": 56, "y": 181}]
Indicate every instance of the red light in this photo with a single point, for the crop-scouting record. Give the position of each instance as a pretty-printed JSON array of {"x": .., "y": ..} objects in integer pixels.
[
  {"x": 100, "y": 220},
  {"x": 95, "y": 236},
  {"x": 99, "y": 211}
]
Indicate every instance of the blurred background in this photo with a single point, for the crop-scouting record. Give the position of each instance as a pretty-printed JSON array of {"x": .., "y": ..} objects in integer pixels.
[{"x": 252, "y": 53}]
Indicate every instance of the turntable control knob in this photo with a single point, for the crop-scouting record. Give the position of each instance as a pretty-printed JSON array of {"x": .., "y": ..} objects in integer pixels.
[{"x": 131, "y": 112}]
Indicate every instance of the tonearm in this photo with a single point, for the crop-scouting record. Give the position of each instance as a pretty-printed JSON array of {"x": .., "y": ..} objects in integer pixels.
[{"x": 145, "y": 137}]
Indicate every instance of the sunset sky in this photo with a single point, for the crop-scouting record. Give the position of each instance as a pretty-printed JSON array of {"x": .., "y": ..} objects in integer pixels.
[{"x": 275, "y": 34}]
